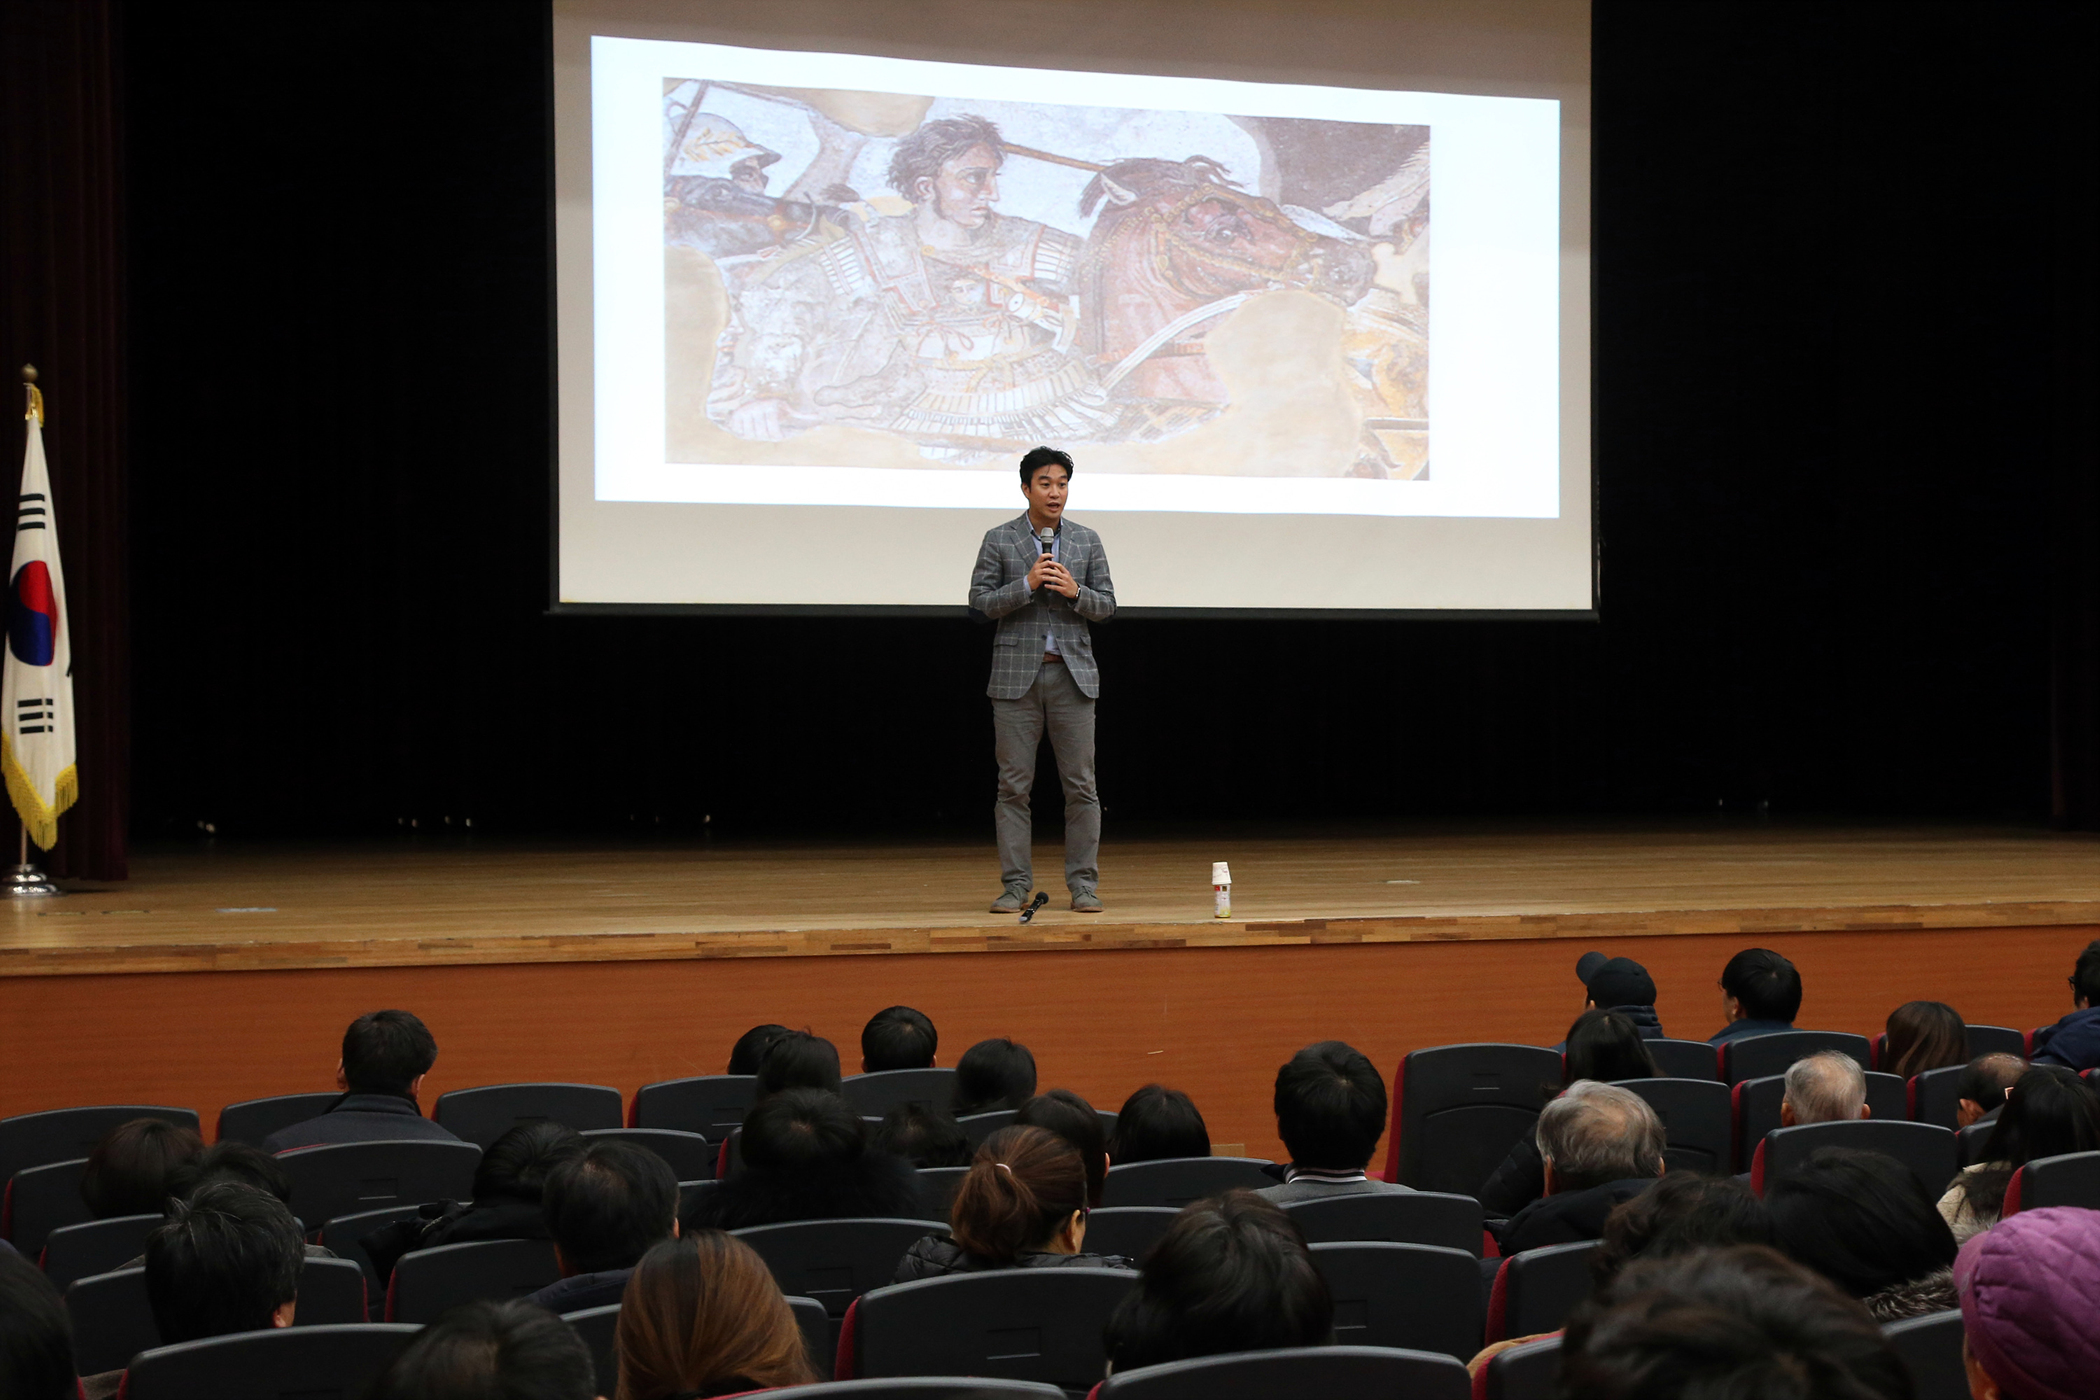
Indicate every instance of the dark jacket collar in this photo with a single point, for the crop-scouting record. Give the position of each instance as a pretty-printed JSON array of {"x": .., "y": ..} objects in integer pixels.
[{"x": 354, "y": 1102}]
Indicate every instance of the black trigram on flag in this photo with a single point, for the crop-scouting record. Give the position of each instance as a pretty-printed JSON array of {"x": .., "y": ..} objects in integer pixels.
[
  {"x": 34, "y": 716},
  {"x": 30, "y": 513}
]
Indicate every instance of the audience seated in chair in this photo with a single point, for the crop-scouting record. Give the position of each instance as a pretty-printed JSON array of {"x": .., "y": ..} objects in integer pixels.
[
  {"x": 1601, "y": 1145},
  {"x": 1157, "y": 1123},
  {"x": 1232, "y": 1273},
  {"x": 702, "y": 1316},
  {"x": 798, "y": 1060},
  {"x": 36, "y": 1341},
  {"x": 385, "y": 1056},
  {"x": 750, "y": 1048},
  {"x": 1023, "y": 1205},
  {"x": 1924, "y": 1035},
  {"x": 922, "y": 1136},
  {"x": 1621, "y": 985},
  {"x": 2027, "y": 1289},
  {"x": 129, "y": 1170},
  {"x": 1826, "y": 1087},
  {"x": 2074, "y": 1041},
  {"x": 993, "y": 1074},
  {"x": 1982, "y": 1085},
  {"x": 806, "y": 1157},
  {"x": 1330, "y": 1112},
  {"x": 605, "y": 1206},
  {"x": 509, "y": 1189},
  {"x": 491, "y": 1351},
  {"x": 231, "y": 1161},
  {"x": 897, "y": 1037},
  {"x": 1072, "y": 1118},
  {"x": 1601, "y": 1045},
  {"x": 1760, "y": 993},
  {"x": 1863, "y": 1221},
  {"x": 2050, "y": 1111},
  {"x": 1742, "y": 1322}
]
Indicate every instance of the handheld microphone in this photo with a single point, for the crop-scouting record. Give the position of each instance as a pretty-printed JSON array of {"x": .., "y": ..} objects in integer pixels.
[
  {"x": 1047, "y": 537},
  {"x": 1042, "y": 897}
]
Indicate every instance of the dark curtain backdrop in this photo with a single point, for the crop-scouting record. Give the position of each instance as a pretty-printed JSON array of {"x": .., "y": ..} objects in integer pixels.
[
  {"x": 62, "y": 309},
  {"x": 1843, "y": 367}
]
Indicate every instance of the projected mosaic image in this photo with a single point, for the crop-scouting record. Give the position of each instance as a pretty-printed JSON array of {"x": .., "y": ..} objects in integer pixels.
[{"x": 876, "y": 279}]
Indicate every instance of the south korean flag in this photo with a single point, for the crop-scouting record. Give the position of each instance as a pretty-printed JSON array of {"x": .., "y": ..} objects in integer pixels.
[{"x": 36, "y": 680}]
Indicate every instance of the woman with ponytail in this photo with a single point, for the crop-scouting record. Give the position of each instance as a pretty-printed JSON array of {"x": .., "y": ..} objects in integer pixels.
[{"x": 1023, "y": 1206}]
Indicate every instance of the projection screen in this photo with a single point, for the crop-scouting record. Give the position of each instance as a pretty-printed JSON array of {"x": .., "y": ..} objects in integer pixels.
[{"x": 824, "y": 271}]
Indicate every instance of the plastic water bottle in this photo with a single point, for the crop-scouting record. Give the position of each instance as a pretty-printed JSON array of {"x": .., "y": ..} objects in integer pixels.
[{"x": 1221, "y": 888}]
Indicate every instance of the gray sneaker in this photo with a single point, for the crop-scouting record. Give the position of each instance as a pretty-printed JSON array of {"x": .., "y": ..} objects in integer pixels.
[
  {"x": 1013, "y": 901},
  {"x": 1085, "y": 902}
]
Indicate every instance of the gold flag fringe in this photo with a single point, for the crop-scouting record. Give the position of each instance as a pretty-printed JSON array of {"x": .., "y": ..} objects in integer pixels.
[{"x": 41, "y": 820}]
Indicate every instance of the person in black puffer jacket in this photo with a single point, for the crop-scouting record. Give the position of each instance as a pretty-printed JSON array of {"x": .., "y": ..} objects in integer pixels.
[
  {"x": 806, "y": 1157},
  {"x": 1023, "y": 1206},
  {"x": 508, "y": 1183}
]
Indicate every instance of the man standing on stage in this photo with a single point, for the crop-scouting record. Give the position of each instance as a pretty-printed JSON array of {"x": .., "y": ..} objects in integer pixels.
[{"x": 1044, "y": 578}]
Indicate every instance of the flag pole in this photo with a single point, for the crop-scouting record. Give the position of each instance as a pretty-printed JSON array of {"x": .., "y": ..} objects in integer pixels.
[{"x": 27, "y": 880}]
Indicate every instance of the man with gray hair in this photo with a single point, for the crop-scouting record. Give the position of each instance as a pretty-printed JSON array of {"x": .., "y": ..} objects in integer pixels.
[
  {"x": 1602, "y": 1145},
  {"x": 1826, "y": 1087}
]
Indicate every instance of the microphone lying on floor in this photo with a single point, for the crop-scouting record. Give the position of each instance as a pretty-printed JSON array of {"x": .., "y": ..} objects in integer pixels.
[{"x": 1042, "y": 897}]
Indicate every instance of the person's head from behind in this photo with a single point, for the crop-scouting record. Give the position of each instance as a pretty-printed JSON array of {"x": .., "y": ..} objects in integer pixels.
[
  {"x": 1680, "y": 1213},
  {"x": 1760, "y": 985},
  {"x": 2085, "y": 977},
  {"x": 1157, "y": 1123},
  {"x": 1826, "y": 1087},
  {"x": 2027, "y": 1288},
  {"x": 803, "y": 1130},
  {"x": 2050, "y": 1112},
  {"x": 703, "y": 1316},
  {"x": 799, "y": 1060},
  {"x": 923, "y": 1136},
  {"x": 1072, "y": 1118},
  {"x": 1596, "y": 1133},
  {"x": 1611, "y": 982},
  {"x": 129, "y": 1170},
  {"x": 607, "y": 1204},
  {"x": 1330, "y": 1107},
  {"x": 226, "y": 1260},
  {"x": 1860, "y": 1219},
  {"x": 386, "y": 1052},
  {"x": 1231, "y": 1273},
  {"x": 36, "y": 1340},
  {"x": 1743, "y": 1323},
  {"x": 1983, "y": 1084},
  {"x": 1025, "y": 1193},
  {"x": 1924, "y": 1035},
  {"x": 516, "y": 1165},
  {"x": 897, "y": 1037},
  {"x": 750, "y": 1048},
  {"x": 1605, "y": 1046},
  {"x": 491, "y": 1351},
  {"x": 239, "y": 1162},
  {"x": 993, "y": 1074}
]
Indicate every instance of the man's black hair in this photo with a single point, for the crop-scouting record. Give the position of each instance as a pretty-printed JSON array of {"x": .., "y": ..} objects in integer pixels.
[
  {"x": 993, "y": 1074},
  {"x": 1071, "y": 1117},
  {"x": 1860, "y": 1219},
  {"x": 799, "y": 1060},
  {"x": 750, "y": 1048},
  {"x": 243, "y": 1162},
  {"x": 923, "y": 1136},
  {"x": 1039, "y": 457},
  {"x": 1985, "y": 1079},
  {"x": 492, "y": 1351},
  {"x": 36, "y": 1340},
  {"x": 1158, "y": 1123},
  {"x": 384, "y": 1052},
  {"x": 898, "y": 1037},
  {"x": 516, "y": 1165},
  {"x": 1606, "y": 1046},
  {"x": 2085, "y": 975},
  {"x": 1766, "y": 984},
  {"x": 223, "y": 1261},
  {"x": 129, "y": 1170},
  {"x": 606, "y": 1205},
  {"x": 798, "y": 1129},
  {"x": 921, "y": 155},
  {"x": 1330, "y": 1107},
  {"x": 1681, "y": 1212}
]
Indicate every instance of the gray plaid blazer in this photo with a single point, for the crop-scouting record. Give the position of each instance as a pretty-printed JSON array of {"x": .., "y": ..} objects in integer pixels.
[{"x": 999, "y": 589}]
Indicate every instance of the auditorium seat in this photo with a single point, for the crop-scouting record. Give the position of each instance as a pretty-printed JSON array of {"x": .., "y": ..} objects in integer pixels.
[
  {"x": 691, "y": 1156},
  {"x": 1527, "y": 1371},
  {"x": 252, "y": 1120},
  {"x": 712, "y": 1105},
  {"x": 483, "y": 1114},
  {"x": 1697, "y": 1126},
  {"x": 1126, "y": 1230},
  {"x": 920, "y": 1388},
  {"x": 1754, "y": 1056},
  {"x": 816, "y": 1324},
  {"x": 428, "y": 1281},
  {"x": 1457, "y": 1110},
  {"x": 1685, "y": 1059},
  {"x": 1933, "y": 1096},
  {"x": 1415, "y": 1217},
  {"x": 95, "y": 1246},
  {"x": 937, "y": 1187},
  {"x": 40, "y": 1200},
  {"x": 1175, "y": 1181},
  {"x": 1930, "y": 1152},
  {"x": 113, "y": 1319},
  {"x": 2072, "y": 1179},
  {"x": 689, "y": 1194},
  {"x": 835, "y": 1261},
  {"x": 1755, "y": 1108},
  {"x": 350, "y": 1177},
  {"x": 1298, "y": 1371},
  {"x": 1888, "y": 1095},
  {"x": 310, "y": 1363},
  {"x": 1022, "y": 1324},
  {"x": 1970, "y": 1142},
  {"x": 1418, "y": 1296},
  {"x": 874, "y": 1095},
  {"x": 1931, "y": 1348},
  {"x": 598, "y": 1327},
  {"x": 1535, "y": 1291},
  {"x": 345, "y": 1234},
  {"x": 62, "y": 1134},
  {"x": 979, "y": 1126}
]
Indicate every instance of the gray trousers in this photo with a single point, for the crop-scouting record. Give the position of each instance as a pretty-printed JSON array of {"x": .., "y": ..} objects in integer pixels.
[{"x": 1054, "y": 703}]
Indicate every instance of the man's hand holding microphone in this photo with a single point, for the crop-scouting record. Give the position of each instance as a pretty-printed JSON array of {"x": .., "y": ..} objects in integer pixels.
[{"x": 1046, "y": 572}]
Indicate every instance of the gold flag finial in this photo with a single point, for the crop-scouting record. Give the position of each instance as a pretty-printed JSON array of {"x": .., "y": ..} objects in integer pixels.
[{"x": 35, "y": 408}]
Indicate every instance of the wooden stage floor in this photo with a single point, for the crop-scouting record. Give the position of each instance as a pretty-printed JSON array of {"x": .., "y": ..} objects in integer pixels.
[{"x": 264, "y": 907}]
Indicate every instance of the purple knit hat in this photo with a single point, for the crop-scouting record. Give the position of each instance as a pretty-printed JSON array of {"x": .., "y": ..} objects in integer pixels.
[{"x": 2030, "y": 1298}]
